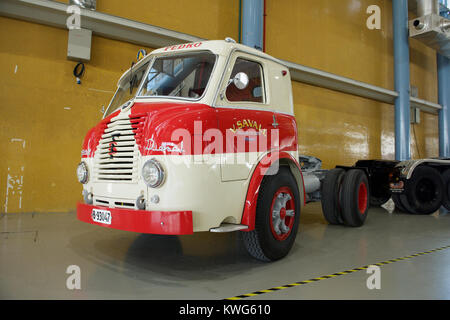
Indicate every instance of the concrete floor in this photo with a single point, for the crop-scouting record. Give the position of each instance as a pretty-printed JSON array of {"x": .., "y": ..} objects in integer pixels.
[{"x": 36, "y": 249}]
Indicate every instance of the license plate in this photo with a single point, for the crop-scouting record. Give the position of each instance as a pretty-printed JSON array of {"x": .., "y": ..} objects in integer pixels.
[{"x": 101, "y": 216}]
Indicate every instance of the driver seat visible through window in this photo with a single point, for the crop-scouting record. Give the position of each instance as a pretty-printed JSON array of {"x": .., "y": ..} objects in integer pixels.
[
  {"x": 253, "y": 92},
  {"x": 202, "y": 72}
]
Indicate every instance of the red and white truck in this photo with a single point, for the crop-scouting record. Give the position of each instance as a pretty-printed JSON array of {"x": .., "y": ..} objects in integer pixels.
[{"x": 201, "y": 137}]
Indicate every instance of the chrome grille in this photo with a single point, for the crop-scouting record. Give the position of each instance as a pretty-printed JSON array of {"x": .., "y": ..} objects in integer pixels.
[
  {"x": 117, "y": 152},
  {"x": 114, "y": 203}
]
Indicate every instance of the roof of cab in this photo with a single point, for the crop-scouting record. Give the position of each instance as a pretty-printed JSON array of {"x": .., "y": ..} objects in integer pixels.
[{"x": 220, "y": 47}]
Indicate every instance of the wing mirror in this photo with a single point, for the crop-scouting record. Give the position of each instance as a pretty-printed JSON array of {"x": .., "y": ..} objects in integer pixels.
[{"x": 240, "y": 80}]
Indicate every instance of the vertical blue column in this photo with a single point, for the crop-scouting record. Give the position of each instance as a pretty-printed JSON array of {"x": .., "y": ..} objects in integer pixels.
[
  {"x": 252, "y": 23},
  {"x": 443, "y": 65},
  {"x": 444, "y": 8},
  {"x": 444, "y": 100},
  {"x": 402, "y": 82}
]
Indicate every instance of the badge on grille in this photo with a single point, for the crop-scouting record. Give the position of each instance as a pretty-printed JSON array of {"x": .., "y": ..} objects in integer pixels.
[{"x": 112, "y": 146}]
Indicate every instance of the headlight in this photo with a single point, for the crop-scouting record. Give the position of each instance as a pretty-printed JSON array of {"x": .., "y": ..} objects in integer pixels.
[
  {"x": 153, "y": 173},
  {"x": 82, "y": 173}
]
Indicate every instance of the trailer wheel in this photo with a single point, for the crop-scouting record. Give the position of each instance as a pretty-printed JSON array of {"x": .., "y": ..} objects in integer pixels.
[
  {"x": 330, "y": 196},
  {"x": 354, "y": 198},
  {"x": 277, "y": 218},
  {"x": 446, "y": 178},
  {"x": 405, "y": 203},
  {"x": 424, "y": 191},
  {"x": 398, "y": 202}
]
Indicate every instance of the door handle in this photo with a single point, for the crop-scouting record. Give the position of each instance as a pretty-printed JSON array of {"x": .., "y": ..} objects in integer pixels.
[{"x": 275, "y": 123}]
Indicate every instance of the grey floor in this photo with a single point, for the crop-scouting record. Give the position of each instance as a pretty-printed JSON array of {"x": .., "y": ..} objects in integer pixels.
[{"x": 36, "y": 249}]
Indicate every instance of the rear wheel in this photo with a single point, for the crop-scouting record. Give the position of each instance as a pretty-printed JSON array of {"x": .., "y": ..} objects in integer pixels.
[
  {"x": 405, "y": 202},
  {"x": 277, "y": 218},
  {"x": 330, "y": 196},
  {"x": 398, "y": 202},
  {"x": 446, "y": 177},
  {"x": 354, "y": 198},
  {"x": 424, "y": 191}
]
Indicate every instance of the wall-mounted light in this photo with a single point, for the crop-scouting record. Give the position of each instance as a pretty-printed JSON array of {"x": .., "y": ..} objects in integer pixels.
[{"x": 86, "y": 4}]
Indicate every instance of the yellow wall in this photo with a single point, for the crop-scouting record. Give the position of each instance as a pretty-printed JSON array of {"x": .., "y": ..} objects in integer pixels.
[
  {"x": 44, "y": 115},
  {"x": 41, "y": 104},
  {"x": 33, "y": 99},
  {"x": 332, "y": 35},
  {"x": 209, "y": 19}
]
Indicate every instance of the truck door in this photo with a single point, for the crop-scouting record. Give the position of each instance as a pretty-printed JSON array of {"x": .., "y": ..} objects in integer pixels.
[{"x": 244, "y": 118}]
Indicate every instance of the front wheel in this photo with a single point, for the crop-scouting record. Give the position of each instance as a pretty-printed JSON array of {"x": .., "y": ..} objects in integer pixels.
[{"x": 277, "y": 218}]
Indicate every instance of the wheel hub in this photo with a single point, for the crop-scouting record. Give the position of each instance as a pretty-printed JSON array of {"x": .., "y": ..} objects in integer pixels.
[
  {"x": 282, "y": 214},
  {"x": 362, "y": 198},
  {"x": 426, "y": 190}
]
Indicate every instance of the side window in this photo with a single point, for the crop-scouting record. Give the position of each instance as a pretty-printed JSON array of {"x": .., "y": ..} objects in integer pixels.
[{"x": 254, "y": 91}]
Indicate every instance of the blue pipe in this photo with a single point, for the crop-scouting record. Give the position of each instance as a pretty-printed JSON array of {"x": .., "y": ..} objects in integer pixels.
[
  {"x": 444, "y": 8},
  {"x": 444, "y": 100},
  {"x": 253, "y": 23},
  {"x": 167, "y": 81},
  {"x": 402, "y": 80}
]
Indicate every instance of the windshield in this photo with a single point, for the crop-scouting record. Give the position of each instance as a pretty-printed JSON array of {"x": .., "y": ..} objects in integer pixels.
[
  {"x": 127, "y": 88},
  {"x": 185, "y": 75}
]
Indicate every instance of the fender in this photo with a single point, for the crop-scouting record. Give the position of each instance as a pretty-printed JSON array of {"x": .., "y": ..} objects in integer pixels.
[
  {"x": 248, "y": 216},
  {"x": 407, "y": 167}
]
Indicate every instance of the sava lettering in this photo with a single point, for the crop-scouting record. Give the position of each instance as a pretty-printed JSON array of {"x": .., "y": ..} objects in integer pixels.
[{"x": 248, "y": 124}]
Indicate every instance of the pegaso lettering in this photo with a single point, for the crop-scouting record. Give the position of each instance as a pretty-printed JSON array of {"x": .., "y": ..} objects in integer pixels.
[{"x": 165, "y": 146}]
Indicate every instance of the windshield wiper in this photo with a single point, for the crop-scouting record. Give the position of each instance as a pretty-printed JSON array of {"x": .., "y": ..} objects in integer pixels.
[{"x": 133, "y": 79}]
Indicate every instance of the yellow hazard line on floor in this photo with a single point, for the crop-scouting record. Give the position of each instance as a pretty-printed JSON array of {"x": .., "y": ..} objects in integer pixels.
[{"x": 337, "y": 274}]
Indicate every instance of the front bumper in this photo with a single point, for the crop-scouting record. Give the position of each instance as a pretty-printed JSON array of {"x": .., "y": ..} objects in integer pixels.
[{"x": 153, "y": 222}]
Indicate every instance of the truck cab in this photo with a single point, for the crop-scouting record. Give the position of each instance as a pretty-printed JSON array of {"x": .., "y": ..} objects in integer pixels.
[{"x": 198, "y": 137}]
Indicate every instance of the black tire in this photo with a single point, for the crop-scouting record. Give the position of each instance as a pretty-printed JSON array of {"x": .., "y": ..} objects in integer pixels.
[
  {"x": 378, "y": 202},
  {"x": 446, "y": 178},
  {"x": 424, "y": 191},
  {"x": 398, "y": 202},
  {"x": 330, "y": 196},
  {"x": 354, "y": 198},
  {"x": 262, "y": 243},
  {"x": 408, "y": 208}
]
